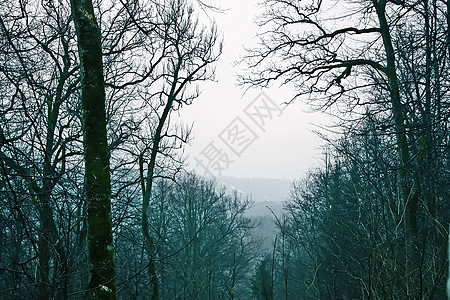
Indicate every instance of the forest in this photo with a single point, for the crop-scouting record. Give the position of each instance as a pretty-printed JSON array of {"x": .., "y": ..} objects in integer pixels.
[{"x": 97, "y": 202}]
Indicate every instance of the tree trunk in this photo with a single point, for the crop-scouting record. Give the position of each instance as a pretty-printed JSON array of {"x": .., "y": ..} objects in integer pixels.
[
  {"x": 97, "y": 174},
  {"x": 408, "y": 188},
  {"x": 147, "y": 187},
  {"x": 44, "y": 254}
]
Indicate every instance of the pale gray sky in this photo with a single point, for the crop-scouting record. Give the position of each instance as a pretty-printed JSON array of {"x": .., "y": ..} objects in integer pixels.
[{"x": 226, "y": 137}]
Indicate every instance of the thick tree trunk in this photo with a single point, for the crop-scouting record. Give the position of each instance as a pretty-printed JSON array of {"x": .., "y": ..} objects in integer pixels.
[{"x": 97, "y": 177}]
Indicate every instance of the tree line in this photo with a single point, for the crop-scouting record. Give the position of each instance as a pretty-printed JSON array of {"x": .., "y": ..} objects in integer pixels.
[{"x": 372, "y": 221}]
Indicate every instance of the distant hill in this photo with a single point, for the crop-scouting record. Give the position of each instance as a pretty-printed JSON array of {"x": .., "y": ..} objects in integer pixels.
[
  {"x": 268, "y": 195},
  {"x": 265, "y": 208},
  {"x": 260, "y": 189}
]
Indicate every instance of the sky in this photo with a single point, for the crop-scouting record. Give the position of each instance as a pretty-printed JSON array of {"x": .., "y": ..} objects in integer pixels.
[{"x": 248, "y": 135}]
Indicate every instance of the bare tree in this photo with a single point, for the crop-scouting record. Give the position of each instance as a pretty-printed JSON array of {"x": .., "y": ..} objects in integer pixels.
[
  {"x": 97, "y": 173},
  {"x": 203, "y": 240},
  {"x": 153, "y": 54},
  {"x": 38, "y": 82},
  {"x": 355, "y": 69},
  {"x": 155, "y": 70}
]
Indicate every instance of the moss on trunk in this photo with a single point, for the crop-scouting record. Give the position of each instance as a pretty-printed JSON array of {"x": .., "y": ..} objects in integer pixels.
[{"x": 97, "y": 177}]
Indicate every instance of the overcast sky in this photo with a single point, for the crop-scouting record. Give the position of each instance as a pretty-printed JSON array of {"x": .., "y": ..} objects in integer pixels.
[{"x": 248, "y": 135}]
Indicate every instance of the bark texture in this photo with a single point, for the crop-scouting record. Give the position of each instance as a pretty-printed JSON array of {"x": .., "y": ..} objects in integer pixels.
[{"x": 97, "y": 177}]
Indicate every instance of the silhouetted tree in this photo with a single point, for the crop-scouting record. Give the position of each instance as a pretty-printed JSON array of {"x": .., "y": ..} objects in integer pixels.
[
  {"x": 37, "y": 146},
  {"x": 97, "y": 173},
  {"x": 369, "y": 68}
]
